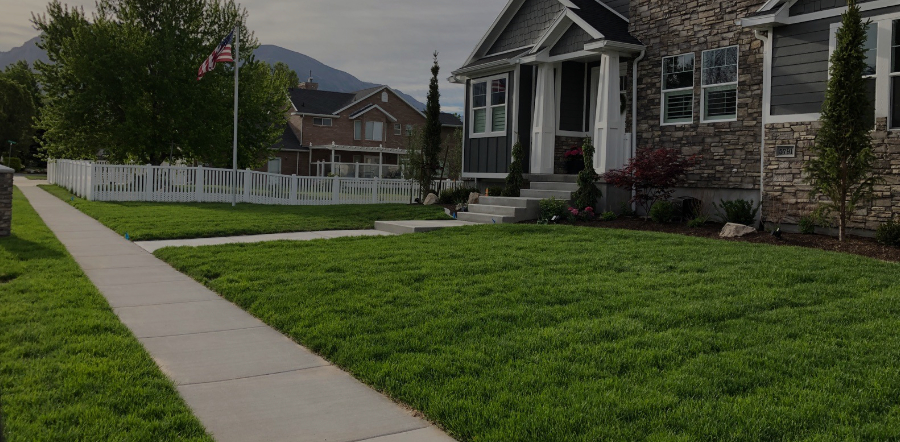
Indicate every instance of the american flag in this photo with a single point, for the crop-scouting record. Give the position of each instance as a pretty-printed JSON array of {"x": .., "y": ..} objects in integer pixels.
[{"x": 222, "y": 54}]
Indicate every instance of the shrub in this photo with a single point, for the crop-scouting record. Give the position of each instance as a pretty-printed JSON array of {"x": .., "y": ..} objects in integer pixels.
[
  {"x": 551, "y": 207},
  {"x": 808, "y": 225},
  {"x": 662, "y": 211},
  {"x": 888, "y": 234},
  {"x": 587, "y": 193},
  {"x": 457, "y": 196},
  {"x": 494, "y": 191},
  {"x": 608, "y": 216},
  {"x": 699, "y": 221},
  {"x": 582, "y": 215},
  {"x": 626, "y": 210},
  {"x": 652, "y": 174},
  {"x": 13, "y": 163},
  {"x": 514, "y": 180},
  {"x": 738, "y": 211}
]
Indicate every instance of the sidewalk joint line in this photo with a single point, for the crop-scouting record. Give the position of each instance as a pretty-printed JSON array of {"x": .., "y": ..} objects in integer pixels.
[
  {"x": 202, "y": 333},
  {"x": 181, "y": 277},
  {"x": 166, "y": 303},
  {"x": 389, "y": 434},
  {"x": 254, "y": 376}
]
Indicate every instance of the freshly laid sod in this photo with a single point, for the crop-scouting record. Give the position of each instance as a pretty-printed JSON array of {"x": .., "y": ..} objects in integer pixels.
[
  {"x": 152, "y": 221},
  {"x": 69, "y": 370},
  {"x": 542, "y": 333}
]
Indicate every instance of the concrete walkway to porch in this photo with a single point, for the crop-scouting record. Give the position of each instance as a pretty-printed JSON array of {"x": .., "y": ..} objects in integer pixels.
[{"x": 244, "y": 380}]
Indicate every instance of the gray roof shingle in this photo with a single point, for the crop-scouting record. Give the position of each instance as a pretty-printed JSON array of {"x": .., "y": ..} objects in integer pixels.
[{"x": 601, "y": 18}]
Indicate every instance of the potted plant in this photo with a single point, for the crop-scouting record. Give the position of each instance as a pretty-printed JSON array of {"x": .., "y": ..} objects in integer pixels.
[{"x": 574, "y": 159}]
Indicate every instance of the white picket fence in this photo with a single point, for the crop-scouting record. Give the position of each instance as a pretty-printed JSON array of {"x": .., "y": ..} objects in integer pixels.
[{"x": 108, "y": 182}]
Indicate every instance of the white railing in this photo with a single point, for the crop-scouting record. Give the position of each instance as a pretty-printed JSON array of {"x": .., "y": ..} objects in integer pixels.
[{"x": 108, "y": 182}]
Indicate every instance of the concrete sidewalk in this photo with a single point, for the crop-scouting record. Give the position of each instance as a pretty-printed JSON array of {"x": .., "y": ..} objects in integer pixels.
[
  {"x": 152, "y": 246},
  {"x": 243, "y": 379}
]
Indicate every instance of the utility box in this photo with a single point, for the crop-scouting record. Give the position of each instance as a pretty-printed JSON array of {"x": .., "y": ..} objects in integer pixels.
[{"x": 6, "y": 195}]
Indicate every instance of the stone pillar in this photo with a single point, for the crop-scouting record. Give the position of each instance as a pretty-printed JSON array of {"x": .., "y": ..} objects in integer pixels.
[
  {"x": 6, "y": 194},
  {"x": 543, "y": 141},
  {"x": 609, "y": 127}
]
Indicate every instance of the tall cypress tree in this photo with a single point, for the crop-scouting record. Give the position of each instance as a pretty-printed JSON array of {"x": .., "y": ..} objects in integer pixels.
[
  {"x": 515, "y": 180},
  {"x": 841, "y": 167},
  {"x": 431, "y": 148}
]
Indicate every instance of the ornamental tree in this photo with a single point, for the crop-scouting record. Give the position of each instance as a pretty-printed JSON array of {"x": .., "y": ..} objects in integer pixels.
[
  {"x": 841, "y": 168},
  {"x": 652, "y": 174},
  {"x": 515, "y": 180},
  {"x": 431, "y": 136},
  {"x": 587, "y": 194}
]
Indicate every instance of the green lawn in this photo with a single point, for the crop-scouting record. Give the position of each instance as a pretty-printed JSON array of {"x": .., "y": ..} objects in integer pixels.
[
  {"x": 558, "y": 333},
  {"x": 152, "y": 221},
  {"x": 69, "y": 370}
]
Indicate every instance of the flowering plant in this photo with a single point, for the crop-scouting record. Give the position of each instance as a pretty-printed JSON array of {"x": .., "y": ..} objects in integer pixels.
[
  {"x": 582, "y": 215},
  {"x": 573, "y": 153}
]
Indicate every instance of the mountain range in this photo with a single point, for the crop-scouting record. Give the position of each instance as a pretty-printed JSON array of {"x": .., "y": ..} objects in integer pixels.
[{"x": 329, "y": 78}]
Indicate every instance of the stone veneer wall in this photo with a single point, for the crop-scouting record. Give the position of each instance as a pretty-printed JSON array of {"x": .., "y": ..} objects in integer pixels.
[
  {"x": 730, "y": 150},
  {"x": 6, "y": 192},
  {"x": 784, "y": 176},
  {"x": 562, "y": 145}
]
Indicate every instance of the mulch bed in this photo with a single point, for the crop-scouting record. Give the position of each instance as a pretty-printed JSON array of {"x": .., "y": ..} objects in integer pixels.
[{"x": 853, "y": 244}]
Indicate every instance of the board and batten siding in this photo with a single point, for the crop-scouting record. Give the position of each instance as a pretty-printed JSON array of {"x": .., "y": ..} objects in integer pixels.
[
  {"x": 800, "y": 64},
  {"x": 489, "y": 155}
]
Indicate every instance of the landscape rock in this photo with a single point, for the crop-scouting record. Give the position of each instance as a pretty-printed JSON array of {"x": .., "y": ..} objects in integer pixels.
[
  {"x": 732, "y": 230},
  {"x": 431, "y": 199},
  {"x": 473, "y": 197}
]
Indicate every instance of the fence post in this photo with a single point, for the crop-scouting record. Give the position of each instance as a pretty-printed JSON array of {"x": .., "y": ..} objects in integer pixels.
[
  {"x": 376, "y": 184},
  {"x": 293, "y": 195},
  {"x": 336, "y": 190},
  {"x": 198, "y": 181},
  {"x": 93, "y": 182},
  {"x": 248, "y": 184},
  {"x": 148, "y": 182}
]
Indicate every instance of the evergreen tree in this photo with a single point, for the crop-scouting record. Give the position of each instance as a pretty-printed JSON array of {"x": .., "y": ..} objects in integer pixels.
[
  {"x": 125, "y": 80},
  {"x": 841, "y": 166},
  {"x": 17, "y": 112},
  {"x": 514, "y": 180},
  {"x": 431, "y": 147},
  {"x": 587, "y": 194}
]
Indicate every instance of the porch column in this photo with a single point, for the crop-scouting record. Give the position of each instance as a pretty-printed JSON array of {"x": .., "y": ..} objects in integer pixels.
[
  {"x": 543, "y": 139},
  {"x": 609, "y": 127}
]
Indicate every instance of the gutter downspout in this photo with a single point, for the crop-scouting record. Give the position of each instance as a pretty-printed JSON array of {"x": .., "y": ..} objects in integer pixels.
[
  {"x": 767, "y": 79},
  {"x": 634, "y": 95}
]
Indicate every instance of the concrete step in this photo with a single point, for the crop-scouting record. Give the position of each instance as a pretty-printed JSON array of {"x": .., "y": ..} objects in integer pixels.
[
  {"x": 571, "y": 187},
  {"x": 486, "y": 218},
  {"x": 529, "y": 203},
  {"x": 543, "y": 194},
  {"x": 547, "y": 178},
  {"x": 404, "y": 227},
  {"x": 518, "y": 212}
]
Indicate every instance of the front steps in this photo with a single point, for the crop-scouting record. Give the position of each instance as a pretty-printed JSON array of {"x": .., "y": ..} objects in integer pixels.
[{"x": 507, "y": 210}]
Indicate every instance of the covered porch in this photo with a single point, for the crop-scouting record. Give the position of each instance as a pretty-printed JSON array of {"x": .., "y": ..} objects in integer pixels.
[{"x": 355, "y": 161}]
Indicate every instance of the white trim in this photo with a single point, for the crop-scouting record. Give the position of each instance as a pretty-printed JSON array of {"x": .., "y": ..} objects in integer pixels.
[
  {"x": 596, "y": 34},
  {"x": 792, "y": 118},
  {"x": 304, "y": 114},
  {"x": 609, "y": 45},
  {"x": 377, "y": 90},
  {"x": 504, "y": 16},
  {"x": 664, "y": 91},
  {"x": 837, "y": 12},
  {"x": 488, "y": 123},
  {"x": 541, "y": 44},
  {"x": 736, "y": 84},
  {"x": 358, "y": 148},
  {"x": 613, "y": 11},
  {"x": 355, "y": 116}
]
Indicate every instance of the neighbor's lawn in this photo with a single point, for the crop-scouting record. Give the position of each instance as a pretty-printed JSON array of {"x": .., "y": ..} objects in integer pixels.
[
  {"x": 69, "y": 370},
  {"x": 152, "y": 221},
  {"x": 540, "y": 333}
]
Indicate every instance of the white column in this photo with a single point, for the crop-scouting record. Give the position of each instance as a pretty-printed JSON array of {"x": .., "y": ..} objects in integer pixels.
[
  {"x": 609, "y": 127},
  {"x": 543, "y": 133}
]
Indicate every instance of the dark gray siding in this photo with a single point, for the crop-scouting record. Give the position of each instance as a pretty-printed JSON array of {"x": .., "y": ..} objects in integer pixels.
[
  {"x": 526, "y": 103},
  {"x": 527, "y": 25},
  {"x": 810, "y": 6},
  {"x": 620, "y": 6},
  {"x": 800, "y": 64},
  {"x": 572, "y": 41},
  {"x": 490, "y": 155}
]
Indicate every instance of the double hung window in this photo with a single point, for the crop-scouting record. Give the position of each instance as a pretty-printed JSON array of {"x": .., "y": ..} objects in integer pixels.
[
  {"x": 895, "y": 75},
  {"x": 678, "y": 89},
  {"x": 719, "y": 77},
  {"x": 374, "y": 131},
  {"x": 488, "y": 97},
  {"x": 357, "y": 129},
  {"x": 321, "y": 121}
]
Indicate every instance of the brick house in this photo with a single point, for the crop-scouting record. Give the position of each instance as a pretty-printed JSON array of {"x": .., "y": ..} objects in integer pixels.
[
  {"x": 740, "y": 83},
  {"x": 350, "y": 134}
]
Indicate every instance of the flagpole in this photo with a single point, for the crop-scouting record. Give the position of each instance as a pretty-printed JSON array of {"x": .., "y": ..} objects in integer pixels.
[{"x": 237, "y": 44}]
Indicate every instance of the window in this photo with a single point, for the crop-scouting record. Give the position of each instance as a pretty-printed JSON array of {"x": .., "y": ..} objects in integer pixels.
[
  {"x": 398, "y": 129},
  {"x": 384, "y": 97},
  {"x": 895, "y": 75},
  {"x": 357, "y": 130},
  {"x": 871, "y": 71},
  {"x": 409, "y": 129},
  {"x": 357, "y": 158},
  {"x": 322, "y": 122},
  {"x": 719, "y": 77},
  {"x": 678, "y": 89},
  {"x": 374, "y": 130},
  {"x": 489, "y": 106}
]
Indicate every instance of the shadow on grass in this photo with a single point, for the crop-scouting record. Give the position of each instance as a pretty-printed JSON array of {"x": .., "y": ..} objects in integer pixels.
[{"x": 25, "y": 250}]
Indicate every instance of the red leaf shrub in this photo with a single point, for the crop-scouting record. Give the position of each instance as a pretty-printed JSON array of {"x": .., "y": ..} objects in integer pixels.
[{"x": 653, "y": 174}]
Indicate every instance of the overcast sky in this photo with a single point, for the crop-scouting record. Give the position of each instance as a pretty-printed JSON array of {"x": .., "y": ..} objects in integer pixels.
[{"x": 380, "y": 41}]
